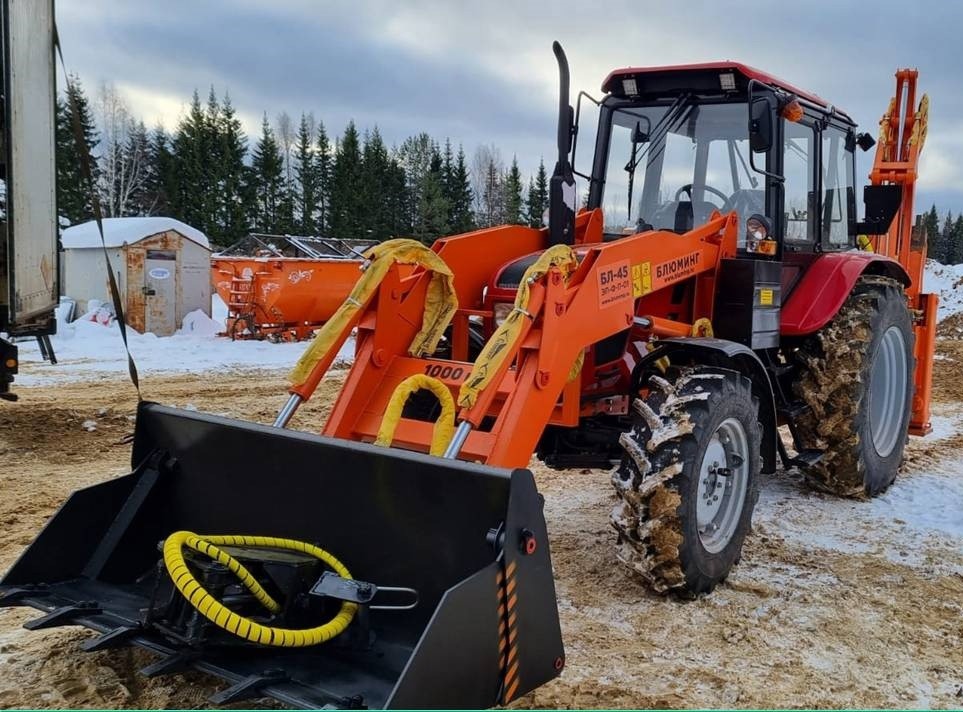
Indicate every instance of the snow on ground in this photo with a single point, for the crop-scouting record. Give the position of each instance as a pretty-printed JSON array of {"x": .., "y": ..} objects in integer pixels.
[
  {"x": 88, "y": 350},
  {"x": 947, "y": 281},
  {"x": 920, "y": 513}
]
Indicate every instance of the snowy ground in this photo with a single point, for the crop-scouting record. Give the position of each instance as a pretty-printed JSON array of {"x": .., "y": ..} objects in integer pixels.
[
  {"x": 947, "y": 281},
  {"x": 835, "y": 603},
  {"x": 88, "y": 351}
]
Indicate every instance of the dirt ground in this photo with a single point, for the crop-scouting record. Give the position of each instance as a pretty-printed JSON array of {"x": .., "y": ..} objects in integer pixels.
[{"x": 794, "y": 626}]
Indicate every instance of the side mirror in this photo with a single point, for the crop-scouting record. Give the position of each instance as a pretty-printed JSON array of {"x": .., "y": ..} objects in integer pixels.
[
  {"x": 760, "y": 124},
  {"x": 865, "y": 141}
]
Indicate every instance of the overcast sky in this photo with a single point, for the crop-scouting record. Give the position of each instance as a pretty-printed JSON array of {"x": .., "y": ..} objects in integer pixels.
[{"x": 483, "y": 72}]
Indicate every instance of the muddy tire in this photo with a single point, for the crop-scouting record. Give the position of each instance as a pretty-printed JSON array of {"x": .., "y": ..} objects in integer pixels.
[
  {"x": 857, "y": 379},
  {"x": 689, "y": 480}
]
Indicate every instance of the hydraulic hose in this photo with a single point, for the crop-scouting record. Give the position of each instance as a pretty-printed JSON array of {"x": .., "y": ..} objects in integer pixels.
[{"x": 239, "y": 625}]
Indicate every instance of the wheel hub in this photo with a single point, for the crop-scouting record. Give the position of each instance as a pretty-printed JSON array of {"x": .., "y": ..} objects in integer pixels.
[
  {"x": 887, "y": 391},
  {"x": 723, "y": 477}
]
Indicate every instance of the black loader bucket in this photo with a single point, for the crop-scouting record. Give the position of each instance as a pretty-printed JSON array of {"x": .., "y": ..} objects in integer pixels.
[{"x": 450, "y": 586}]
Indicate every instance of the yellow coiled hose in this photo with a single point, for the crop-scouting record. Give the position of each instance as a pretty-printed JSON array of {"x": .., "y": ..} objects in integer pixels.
[{"x": 236, "y": 624}]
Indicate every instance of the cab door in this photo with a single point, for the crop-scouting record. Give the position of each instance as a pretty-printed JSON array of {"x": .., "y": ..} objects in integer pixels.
[
  {"x": 837, "y": 216},
  {"x": 797, "y": 221}
]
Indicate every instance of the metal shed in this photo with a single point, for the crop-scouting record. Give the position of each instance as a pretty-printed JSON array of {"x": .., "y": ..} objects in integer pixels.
[{"x": 162, "y": 268}]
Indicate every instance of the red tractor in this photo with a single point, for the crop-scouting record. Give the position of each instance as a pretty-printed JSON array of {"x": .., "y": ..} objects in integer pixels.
[{"x": 715, "y": 286}]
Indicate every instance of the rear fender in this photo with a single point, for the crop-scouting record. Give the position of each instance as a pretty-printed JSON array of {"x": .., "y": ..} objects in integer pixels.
[
  {"x": 737, "y": 357},
  {"x": 827, "y": 283}
]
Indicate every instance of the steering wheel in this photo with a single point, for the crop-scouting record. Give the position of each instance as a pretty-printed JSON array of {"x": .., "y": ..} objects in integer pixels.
[{"x": 687, "y": 188}]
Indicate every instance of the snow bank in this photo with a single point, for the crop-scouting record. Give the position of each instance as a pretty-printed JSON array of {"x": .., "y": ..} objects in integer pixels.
[
  {"x": 197, "y": 323},
  {"x": 947, "y": 281},
  {"x": 118, "y": 231},
  {"x": 89, "y": 349}
]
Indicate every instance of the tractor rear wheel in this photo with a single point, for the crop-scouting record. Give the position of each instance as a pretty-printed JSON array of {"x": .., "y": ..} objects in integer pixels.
[
  {"x": 857, "y": 379},
  {"x": 689, "y": 480}
]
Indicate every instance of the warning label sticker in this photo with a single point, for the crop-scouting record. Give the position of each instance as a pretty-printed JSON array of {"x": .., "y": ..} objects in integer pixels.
[
  {"x": 641, "y": 279},
  {"x": 615, "y": 284}
]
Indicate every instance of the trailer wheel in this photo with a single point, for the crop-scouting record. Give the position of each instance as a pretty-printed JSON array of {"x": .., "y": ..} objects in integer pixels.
[
  {"x": 857, "y": 379},
  {"x": 689, "y": 480}
]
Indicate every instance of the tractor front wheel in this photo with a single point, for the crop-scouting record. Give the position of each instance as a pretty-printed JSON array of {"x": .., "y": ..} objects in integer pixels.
[
  {"x": 857, "y": 379},
  {"x": 689, "y": 480}
]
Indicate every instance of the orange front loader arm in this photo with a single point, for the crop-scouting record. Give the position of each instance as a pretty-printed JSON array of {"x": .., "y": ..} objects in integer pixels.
[{"x": 533, "y": 386}]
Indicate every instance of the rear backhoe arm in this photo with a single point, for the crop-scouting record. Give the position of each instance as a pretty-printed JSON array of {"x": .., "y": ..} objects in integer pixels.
[{"x": 902, "y": 133}]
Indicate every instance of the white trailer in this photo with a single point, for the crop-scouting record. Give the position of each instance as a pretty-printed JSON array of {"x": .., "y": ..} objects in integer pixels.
[{"x": 29, "y": 267}]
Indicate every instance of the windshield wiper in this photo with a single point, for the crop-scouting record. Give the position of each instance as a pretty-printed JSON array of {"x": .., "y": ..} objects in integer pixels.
[{"x": 656, "y": 136}]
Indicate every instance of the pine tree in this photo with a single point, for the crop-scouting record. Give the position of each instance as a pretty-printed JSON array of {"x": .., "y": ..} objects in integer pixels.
[
  {"x": 233, "y": 197},
  {"x": 395, "y": 199},
  {"x": 267, "y": 181},
  {"x": 537, "y": 197},
  {"x": 73, "y": 194},
  {"x": 448, "y": 182},
  {"x": 946, "y": 240},
  {"x": 347, "y": 191},
  {"x": 460, "y": 216},
  {"x": 931, "y": 224},
  {"x": 513, "y": 195},
  {"x": 192, "y": 185},
  {"x": 323, "y": 163},
  {"x": 212, "y": 168},
  {"x": 431, "y": 216},
  {"x": 956, "y": 241},
  {"x": 306, "y": 173},
  {"x": 159, "y": 178},
  {"x": 375, "y": 180}
]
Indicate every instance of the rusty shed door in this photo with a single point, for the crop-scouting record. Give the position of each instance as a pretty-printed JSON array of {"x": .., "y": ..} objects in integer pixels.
[{"x": 160, "y": 289}]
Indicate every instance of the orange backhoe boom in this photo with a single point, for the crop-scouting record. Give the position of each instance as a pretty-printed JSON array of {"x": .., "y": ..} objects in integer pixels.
[{"x": 902, "y": 132}]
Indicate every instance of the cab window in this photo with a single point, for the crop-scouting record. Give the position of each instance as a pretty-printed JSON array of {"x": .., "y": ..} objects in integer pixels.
[
  {"x": 799, "y": 156},
  {"x": 838, "y": 191}
]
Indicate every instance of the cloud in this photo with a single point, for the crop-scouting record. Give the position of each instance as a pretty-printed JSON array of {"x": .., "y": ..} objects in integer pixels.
[{"x": 484, "y": 72}]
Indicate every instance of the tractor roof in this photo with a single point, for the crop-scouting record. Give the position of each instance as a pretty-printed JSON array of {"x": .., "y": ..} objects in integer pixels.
[{"x": 681, "y": 76}]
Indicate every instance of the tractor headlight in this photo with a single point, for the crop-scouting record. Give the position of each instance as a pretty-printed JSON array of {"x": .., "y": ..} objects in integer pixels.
[{"x": 501, "y": 313}]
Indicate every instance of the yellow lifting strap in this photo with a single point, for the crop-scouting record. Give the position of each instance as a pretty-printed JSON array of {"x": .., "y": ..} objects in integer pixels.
[
  {"x": 702, "y": 327},
  {"x": 444, "y": 426},
  {"x": 490, "y": 359},
  {"x": 441, "y": 302},
  {"x": 232, "y": 622},
  {"x": 920, "y": 124}
]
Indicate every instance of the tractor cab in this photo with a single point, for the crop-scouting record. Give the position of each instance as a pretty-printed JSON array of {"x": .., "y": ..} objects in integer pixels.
[{"x": 675, "y": 144}]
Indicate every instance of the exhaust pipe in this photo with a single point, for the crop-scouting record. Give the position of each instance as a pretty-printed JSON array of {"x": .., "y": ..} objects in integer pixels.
[{"x": 561, "y": 191}]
